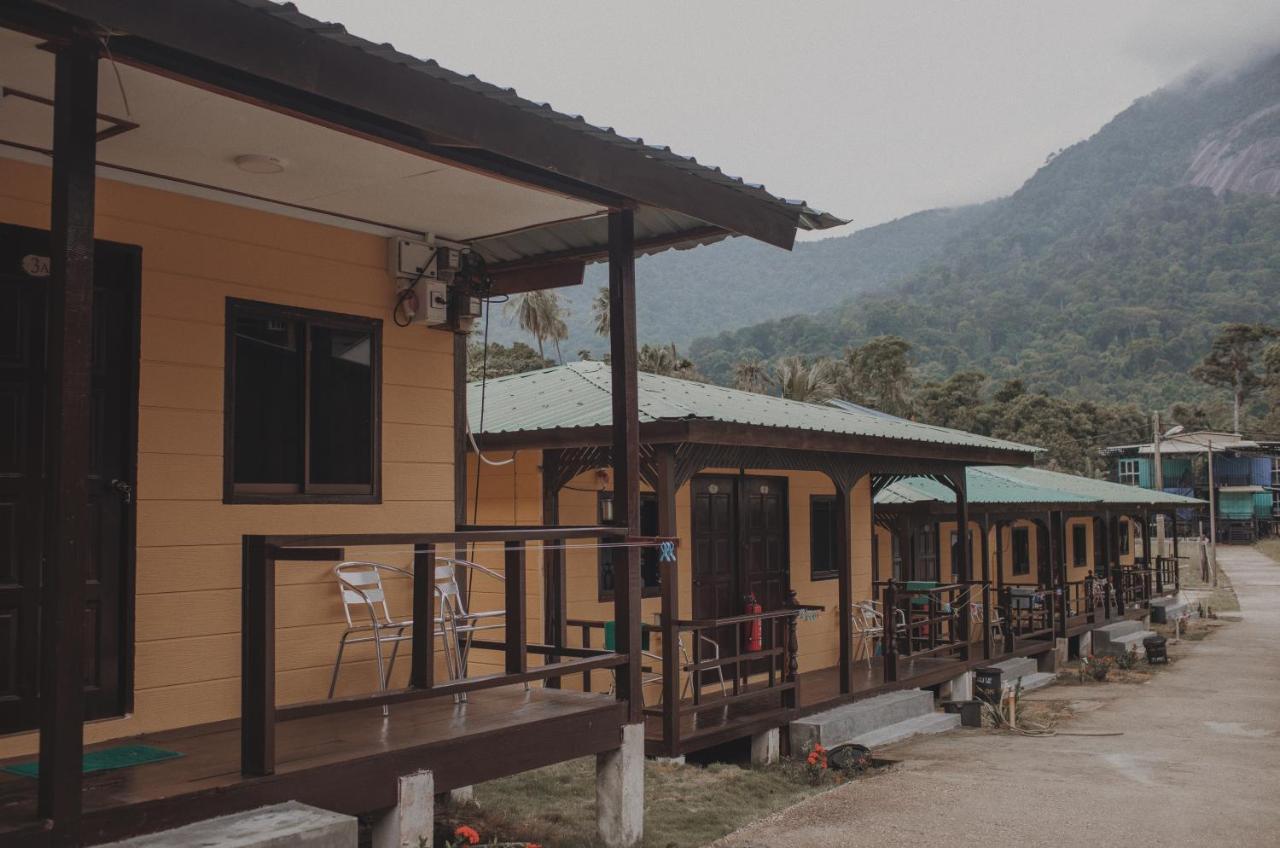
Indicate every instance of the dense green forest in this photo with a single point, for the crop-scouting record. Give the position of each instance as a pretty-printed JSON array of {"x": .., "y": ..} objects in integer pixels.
[
  {"x": 689, "y": 293},
  {"x": 1106, "y": 276}
]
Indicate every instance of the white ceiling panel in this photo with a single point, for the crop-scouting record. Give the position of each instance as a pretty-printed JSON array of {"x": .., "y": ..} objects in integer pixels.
[{"x": 189, "y": 134}]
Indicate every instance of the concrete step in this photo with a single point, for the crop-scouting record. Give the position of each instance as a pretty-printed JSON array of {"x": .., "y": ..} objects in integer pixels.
[
  {"x": 1119, "y": 628},
  {"x": 1017, "y": 667},
  {"x": 1166, "y": 610},
  {"x": 1038, "y": 680},
  {"x": 1119, "y": 647},
  {"x": 844, "y": 723},
  {"x": 1104, "y": 638},
  {"x": 290, "y": 824},
  {"x": 931, "y": 723}
]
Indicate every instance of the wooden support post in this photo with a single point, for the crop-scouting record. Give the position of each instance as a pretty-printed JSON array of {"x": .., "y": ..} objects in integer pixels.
[
  {"x": 554, "y": 582},
  {"x": 257, "y": 658},
  {"x": 986, "y": 587},
  {"x": 460, "y": 446},
  {"x": 1177, "y": 560},
  {"x": 889, "y": 652},
  {"x": 1059, "y": 528},
  {"x": 1104, "y": 567},
  {"x": 665, "y": 460},
  {"x": 517, "y": 660},
  {"x": 626, "y": 453},
  {"x": 962, "y": 568},
  {"x": 844, "y": 586},
  {"x": 68, "y": 369},
  {"x": 791, "y": 672},
  {"x": 422, "y": 662}
]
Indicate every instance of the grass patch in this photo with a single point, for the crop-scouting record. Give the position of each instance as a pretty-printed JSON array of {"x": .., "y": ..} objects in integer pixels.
[
  {"x": 1220, "y": 599},
  {"x": 685, "y": 805},
  {"x": 1271, "y": 548}
]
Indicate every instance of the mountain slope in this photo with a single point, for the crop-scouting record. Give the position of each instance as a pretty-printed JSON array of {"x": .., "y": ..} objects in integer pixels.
[
  {"x": 684, "y": 294},
  {"x": 1106, "y": 274}
]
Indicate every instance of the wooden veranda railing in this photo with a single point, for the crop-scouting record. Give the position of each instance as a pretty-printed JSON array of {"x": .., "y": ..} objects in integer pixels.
[
  {"x": 714, "y": 666},
  {"x": 1132, "y": 585},
  {"x": 259, "y": 712},
  {"x": 928, "y": 622},
  {"x": 1029, "y": 612}
]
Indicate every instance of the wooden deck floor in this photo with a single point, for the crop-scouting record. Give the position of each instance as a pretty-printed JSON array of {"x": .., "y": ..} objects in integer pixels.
[
  {"x": 819, "y": 690},
  {"x": 346, "y": 762}
]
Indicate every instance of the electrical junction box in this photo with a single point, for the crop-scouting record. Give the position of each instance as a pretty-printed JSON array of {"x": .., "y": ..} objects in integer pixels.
[
  {"x": 428, "y": 267},
  {"x": 428, "y": 259}
]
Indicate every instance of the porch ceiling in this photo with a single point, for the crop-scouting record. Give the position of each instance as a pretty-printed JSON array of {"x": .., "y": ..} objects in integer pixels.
[
  {"x": 190, "y": 134},
  {"x": 375, "y": 135}
]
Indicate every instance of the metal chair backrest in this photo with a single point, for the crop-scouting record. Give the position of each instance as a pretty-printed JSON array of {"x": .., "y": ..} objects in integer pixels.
[
  {"x": 360, "y": 584},
  {"x": 450, "y": 587}
]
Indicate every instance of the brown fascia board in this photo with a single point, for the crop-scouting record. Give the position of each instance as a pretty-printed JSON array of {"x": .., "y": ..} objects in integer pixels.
[
  {"x": 749, "y": 435},
  {"x": 254, "y": 52}
]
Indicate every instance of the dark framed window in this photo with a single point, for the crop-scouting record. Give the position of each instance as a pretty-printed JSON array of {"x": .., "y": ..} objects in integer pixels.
[
  {"x": 303, "y": 406},
  {"x": 1124, "y": 537},
  {"x": 1079, "y": 545},
  {"x": 650, "y": 582},
  {"x": 1021, "y": 550},
  {"x": 823, "y": 539}
]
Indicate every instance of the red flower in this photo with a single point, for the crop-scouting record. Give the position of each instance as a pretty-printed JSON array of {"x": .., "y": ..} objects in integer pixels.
[{"x": 467, "y": 833}]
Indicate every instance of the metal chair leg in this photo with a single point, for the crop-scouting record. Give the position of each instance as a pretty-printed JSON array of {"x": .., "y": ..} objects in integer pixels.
[
  {"x": 382, "y": 674},
  {"x": 395, "y": 649},
  {"x": 342, "y": 646}
]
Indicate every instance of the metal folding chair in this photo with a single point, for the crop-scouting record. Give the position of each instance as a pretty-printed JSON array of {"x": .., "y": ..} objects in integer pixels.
[
  {"x": 460, "y": 623},
  {"x": 360, "y": 586}
]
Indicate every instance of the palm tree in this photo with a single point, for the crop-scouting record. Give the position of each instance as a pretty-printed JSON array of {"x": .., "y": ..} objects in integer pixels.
[
  {"x": 600, "y": 311},
  {"x": 666, "y": 361},
  {"x": 752, "y": 375},
  {"x": 540, "y": 314},
  {"x": 809, "y": 382}
]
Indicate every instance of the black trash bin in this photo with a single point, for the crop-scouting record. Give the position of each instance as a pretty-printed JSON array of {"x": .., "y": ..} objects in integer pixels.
[
  {"x": 1156, "y": 648},
  {"x": 988, "y": 684}
]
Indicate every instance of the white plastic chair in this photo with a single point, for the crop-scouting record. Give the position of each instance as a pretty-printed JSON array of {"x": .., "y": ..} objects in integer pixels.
[
  {"x": 361, "y": 590},
  {"x": 997, "y": 620},
  {"x": 868, "y": 625}
]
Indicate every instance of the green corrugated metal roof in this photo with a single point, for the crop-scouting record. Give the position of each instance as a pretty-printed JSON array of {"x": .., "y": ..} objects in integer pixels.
[
  {"x": 578, "y": 395},
  {"x": 983, "y": 488},
  {"x": 1004, "y": 484},
  {"x": 1102, "y": 490}
]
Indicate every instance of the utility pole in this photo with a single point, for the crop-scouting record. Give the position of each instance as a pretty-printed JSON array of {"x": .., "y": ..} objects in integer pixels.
[
  {"x": 1159, "y": 480},
  {"x": 1213, "y": 519}
]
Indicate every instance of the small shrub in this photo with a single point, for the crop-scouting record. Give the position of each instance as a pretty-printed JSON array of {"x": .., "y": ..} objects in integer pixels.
[
  {"x": 1128, "y": 660},
  {"x": 815, "y": 765},
  {"x": 1095, "y": 667}
]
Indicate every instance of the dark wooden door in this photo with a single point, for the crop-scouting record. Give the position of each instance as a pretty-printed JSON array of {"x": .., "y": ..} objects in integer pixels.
[
  {"x": 765, "y": 571},
  {"x": 739, "y": 548},
  {"x": 715, "y": 555},
  {"x": 108, "y": 585}
]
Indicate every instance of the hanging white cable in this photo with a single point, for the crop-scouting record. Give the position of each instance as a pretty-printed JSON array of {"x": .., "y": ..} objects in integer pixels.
[{"x": 497, "y": 463}]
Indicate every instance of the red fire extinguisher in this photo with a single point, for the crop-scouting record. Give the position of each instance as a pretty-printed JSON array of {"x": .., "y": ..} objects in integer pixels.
[{"x": 754, "y": 632}]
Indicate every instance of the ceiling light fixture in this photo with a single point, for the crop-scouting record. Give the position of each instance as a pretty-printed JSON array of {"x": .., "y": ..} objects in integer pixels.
[{"x": 255, "y": 163}]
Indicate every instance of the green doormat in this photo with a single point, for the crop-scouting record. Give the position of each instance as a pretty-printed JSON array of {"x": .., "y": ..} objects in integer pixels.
[{"x": 107, "y": 759}]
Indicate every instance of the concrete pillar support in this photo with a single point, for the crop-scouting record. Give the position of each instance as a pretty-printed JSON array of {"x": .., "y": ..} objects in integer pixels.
[
  {"x": 959, "y": 688},
  {"x": 409, "y": 823},
  {"x": 462, "y": 796},
  {"x": 1086, "y": 643},
  {"x": 766, "y": 747},
  {"x": 620, "y": 791}
]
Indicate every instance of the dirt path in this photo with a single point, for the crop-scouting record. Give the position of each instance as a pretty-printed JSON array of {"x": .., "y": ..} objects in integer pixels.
[{"x": 1198, "y": 763}]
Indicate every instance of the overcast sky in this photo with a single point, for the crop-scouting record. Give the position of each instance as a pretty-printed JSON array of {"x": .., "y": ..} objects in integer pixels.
[{"x": 871, "y": 109}]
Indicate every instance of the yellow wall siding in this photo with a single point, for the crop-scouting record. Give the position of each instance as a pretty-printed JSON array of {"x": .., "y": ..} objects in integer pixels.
[{"x": 195, "y": 254}]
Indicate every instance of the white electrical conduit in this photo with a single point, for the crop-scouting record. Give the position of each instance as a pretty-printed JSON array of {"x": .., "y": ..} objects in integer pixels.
[{"x": 497, "y": 463}]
